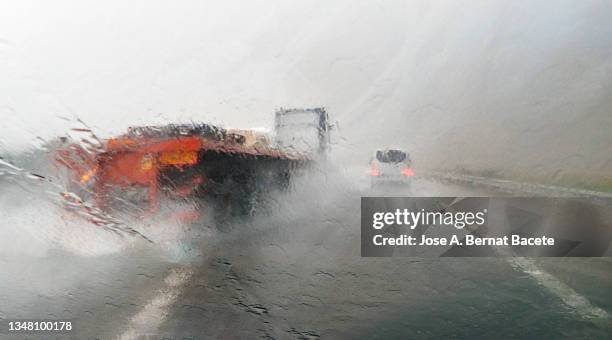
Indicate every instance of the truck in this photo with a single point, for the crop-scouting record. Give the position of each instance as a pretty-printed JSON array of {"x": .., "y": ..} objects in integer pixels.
[{"x": 202, "y": 166}]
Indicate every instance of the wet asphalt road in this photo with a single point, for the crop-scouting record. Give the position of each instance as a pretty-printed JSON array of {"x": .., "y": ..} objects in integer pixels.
[{"x": 299, "y": 274}]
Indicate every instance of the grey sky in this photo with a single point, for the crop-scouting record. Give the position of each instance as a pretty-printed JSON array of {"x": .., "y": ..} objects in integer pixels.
[{"x": 472, "y": 83}]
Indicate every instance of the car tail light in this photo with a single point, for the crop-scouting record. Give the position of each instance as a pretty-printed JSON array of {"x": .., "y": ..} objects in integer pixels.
[
  {"x": 374, "y": 172},
  {"x": 408, "y": 172}
]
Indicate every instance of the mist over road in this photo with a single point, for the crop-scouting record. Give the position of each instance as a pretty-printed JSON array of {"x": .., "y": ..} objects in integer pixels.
[
  {"x": 297, "y": 273},
  {"x": 531, "y": 79},
  {"x": 517, "y": 90}
]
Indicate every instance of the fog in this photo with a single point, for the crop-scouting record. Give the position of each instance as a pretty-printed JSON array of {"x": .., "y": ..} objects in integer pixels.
[
  {"x": 511, "y": 89},
  {"x": 516, "y": 88}
]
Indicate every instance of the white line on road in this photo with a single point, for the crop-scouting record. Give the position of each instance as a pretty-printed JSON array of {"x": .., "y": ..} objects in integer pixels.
[
  {"x": 150, "y": 317},
  {"x": 570, "y": 297}
]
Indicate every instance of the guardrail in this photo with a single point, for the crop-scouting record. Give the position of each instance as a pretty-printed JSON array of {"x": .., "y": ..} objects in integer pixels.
[{"x": 529, "y": 189}]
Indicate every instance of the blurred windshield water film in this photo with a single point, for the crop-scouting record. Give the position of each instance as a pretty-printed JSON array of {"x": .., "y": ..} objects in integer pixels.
[{"x": 195, "y": 169}]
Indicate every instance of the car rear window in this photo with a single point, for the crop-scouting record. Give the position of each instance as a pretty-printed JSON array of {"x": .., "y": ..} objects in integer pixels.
[{"x": 390, "y": 156}]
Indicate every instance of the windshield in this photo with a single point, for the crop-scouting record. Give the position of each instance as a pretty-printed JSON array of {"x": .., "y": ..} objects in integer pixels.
[
  {"x": 292, "y": 170},
  {"x": 390, "y": 156}
]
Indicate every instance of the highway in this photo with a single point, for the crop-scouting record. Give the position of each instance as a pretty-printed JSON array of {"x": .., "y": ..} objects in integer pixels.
[{"x": 297, "y": 273}]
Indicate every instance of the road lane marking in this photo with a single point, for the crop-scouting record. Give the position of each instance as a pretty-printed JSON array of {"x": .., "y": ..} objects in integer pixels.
[
  {"x": 569, "y": 296},
  {"x": 147, "y": 321}
]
